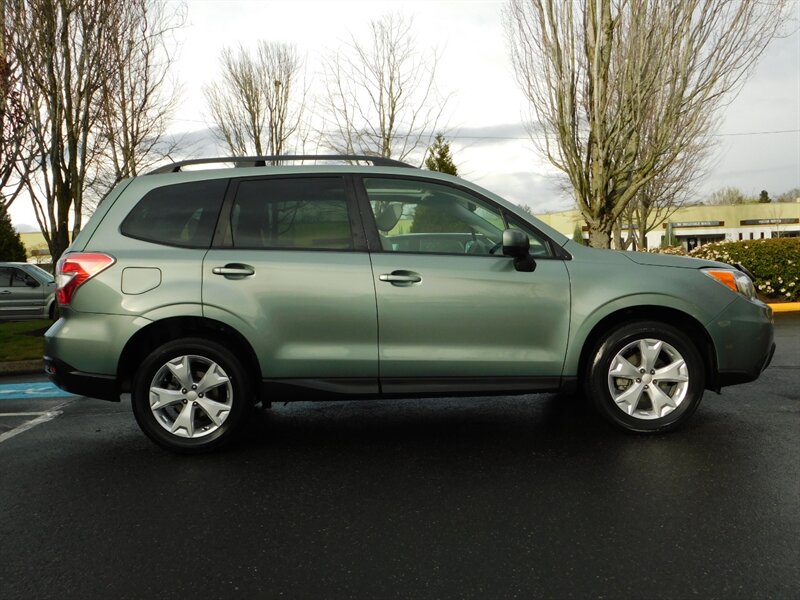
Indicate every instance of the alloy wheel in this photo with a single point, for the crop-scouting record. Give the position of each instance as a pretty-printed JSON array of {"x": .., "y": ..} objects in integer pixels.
[
  {"x": 648, "y": 379},
  {"x": 191, "y": 396}
]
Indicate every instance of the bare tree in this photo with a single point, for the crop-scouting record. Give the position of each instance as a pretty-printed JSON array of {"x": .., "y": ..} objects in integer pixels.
[
  {"x": 69, "y": 54},
  {"x": 594, "y": 70},
  {"x": 381, "y": 98},
  {"x": 139, "y": 98},
  {"x": 257, "y": 105},
  {"x": 13, "y": 121},
  {"x": 61, "y": 46},
  {"x": 727, "y": 196},
  {"x": 792, "y": 195},
  {"x": 660, "y": 197}
]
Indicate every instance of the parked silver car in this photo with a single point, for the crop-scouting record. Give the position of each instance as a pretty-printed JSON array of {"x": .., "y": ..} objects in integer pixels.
[{"x": 26, "y": 292}]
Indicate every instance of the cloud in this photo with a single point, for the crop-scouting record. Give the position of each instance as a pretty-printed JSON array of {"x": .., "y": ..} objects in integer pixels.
[{"x": 490, "y": 134}]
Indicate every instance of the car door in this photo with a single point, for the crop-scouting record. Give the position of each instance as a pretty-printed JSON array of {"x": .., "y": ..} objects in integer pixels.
[
  {"x": 289, "y": 269},
  {"x": 21, "y": 296},
  {"x": 453, "y": 312}
]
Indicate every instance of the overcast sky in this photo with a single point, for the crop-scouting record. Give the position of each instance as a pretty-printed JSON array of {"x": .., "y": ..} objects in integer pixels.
[{"x": 759, "y": 141}]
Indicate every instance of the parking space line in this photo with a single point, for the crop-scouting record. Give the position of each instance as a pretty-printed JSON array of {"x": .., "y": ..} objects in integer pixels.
[
  {"x": 23, "y": 414},
  {"x": 42, "y": 418}
]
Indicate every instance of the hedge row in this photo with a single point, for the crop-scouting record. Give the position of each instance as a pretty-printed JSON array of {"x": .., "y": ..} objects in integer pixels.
[{"x": 775, "y": 263}]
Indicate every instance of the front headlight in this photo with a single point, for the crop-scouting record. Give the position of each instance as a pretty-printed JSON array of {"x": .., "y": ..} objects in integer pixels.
[{"x": 733, "y": 280}]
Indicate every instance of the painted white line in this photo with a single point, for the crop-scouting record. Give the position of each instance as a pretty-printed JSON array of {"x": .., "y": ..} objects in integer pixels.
[
  {"x": 22, "y": 414},
  {"x": 48, "y": 416}
]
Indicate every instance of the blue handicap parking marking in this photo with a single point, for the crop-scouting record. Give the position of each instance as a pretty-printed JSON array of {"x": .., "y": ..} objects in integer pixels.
[{"x": 40, "y": 389}]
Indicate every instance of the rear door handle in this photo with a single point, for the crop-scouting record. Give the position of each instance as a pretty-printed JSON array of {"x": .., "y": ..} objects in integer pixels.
[
  {"x": 234, "y": 271},
  {"x": 401, "y": 278},
  {"x": 5, "y": 292}
]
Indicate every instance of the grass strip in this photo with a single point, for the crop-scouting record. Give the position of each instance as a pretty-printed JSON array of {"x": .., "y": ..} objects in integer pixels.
[{"x": 22, "y": 340}]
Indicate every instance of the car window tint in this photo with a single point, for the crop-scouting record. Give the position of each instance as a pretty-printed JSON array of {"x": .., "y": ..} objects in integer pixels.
[
  {"x": 184, "y": 214},
  {"x": 13, "y": 277},
  {"x": 20, "y": 278},
  {"x": 421, "y": 216},
  {"x": 308, "y": 213}
]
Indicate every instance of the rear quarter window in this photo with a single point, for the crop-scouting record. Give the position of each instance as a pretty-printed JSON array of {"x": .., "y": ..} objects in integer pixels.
[{"x": 184, "y": 214}]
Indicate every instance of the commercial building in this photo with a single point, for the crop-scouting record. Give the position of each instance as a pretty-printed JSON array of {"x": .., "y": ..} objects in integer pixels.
[{"x": 693, "y": 226}]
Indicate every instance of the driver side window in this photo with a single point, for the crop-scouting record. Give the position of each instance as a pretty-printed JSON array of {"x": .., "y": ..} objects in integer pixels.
[{"x": 431, "y": 218}]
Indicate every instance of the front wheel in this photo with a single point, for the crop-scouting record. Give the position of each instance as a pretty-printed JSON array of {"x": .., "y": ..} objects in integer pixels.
[
  {"x": 191, "y": 395},
  {"x": 646, "y": 376}
]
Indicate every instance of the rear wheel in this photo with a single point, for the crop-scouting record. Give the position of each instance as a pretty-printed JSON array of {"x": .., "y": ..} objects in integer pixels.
[
  {"x": 646, "y": 376},
  {"x": 191, "y": 395}
]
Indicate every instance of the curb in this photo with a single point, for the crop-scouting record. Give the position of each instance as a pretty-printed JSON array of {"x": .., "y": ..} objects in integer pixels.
[
  {"x": 785, "y": 307},
  {"x": 36, "y": 367},
  {"x": 22, "y": 367}
]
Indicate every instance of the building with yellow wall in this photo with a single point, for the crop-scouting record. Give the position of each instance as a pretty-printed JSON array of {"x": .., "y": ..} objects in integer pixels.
[
  {"x": 36, "y": 248},
  {"x": 694, "y": 226}
]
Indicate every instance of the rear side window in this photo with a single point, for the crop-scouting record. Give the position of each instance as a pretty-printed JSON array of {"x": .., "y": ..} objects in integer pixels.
[
  {"x": 306, "y": 214},
  {"x": 11, "y": 277},
  {"x": 183, "y": 215}
]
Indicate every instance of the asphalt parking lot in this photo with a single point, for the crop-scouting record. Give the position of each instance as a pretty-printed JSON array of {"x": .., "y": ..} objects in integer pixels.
[{"x": 504, "y": 497}]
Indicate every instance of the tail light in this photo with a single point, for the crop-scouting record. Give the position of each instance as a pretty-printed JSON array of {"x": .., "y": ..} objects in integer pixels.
[{"x": 77, "y": 268}]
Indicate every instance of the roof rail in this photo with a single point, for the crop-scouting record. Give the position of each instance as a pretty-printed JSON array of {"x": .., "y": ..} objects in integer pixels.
[{"x": 261, "y": 161}]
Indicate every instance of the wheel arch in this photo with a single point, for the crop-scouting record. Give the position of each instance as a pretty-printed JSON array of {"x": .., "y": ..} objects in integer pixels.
[
  {"x": 165, "y": 330},
  {"x": 671, "y": 316}
]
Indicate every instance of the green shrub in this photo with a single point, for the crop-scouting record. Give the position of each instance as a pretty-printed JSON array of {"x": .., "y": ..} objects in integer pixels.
[
  {"x": 674, "y": 250},
  {"x": 775, "y": 263}
]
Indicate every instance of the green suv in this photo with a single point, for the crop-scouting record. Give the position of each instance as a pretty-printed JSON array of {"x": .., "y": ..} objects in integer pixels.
[{"x": 203, "y": 292}]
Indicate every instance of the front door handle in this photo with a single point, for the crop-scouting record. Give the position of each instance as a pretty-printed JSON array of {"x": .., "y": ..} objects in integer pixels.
[
  {"x": 234, "y": 271},
  {"x": 401, "y": 278},
  {"x": 5, "y": 292}
]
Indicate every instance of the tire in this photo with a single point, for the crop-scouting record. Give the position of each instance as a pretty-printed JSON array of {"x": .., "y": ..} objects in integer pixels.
[
  {"x": 646, "y": 377},
  {"x": 184, "y": 419}
]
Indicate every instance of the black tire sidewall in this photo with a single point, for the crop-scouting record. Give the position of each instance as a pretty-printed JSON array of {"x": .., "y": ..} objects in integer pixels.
[
  {"x": 140, "y": 396},
  {"x": 616, "y": 340}
]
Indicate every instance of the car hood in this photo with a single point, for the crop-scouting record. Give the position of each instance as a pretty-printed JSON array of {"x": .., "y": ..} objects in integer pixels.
[{"x": 668, "y": 260}]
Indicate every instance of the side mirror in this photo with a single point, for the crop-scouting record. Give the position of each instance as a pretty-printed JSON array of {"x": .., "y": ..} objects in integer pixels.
[{"x": 517, "y": 245}]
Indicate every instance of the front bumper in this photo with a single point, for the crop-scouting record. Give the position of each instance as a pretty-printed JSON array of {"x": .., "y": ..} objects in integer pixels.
[
  {"x": 726, "y": 378},
  {"x": 743, "y": 336},
  {"x": 102, "y": 387}
]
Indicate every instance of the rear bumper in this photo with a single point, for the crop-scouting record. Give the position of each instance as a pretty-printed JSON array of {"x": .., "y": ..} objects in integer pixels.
[
  {"x": 102, "y": 387},
  {"x": 82, "y": 350}
]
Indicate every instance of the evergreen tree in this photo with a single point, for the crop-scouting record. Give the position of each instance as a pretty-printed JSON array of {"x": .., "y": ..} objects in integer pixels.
[
  {"x": 11, "y": 248},
  {"x": 577, "y": 234},
  {"x": 439, "y": 157},
  {"x": 763, "y": 197}
]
